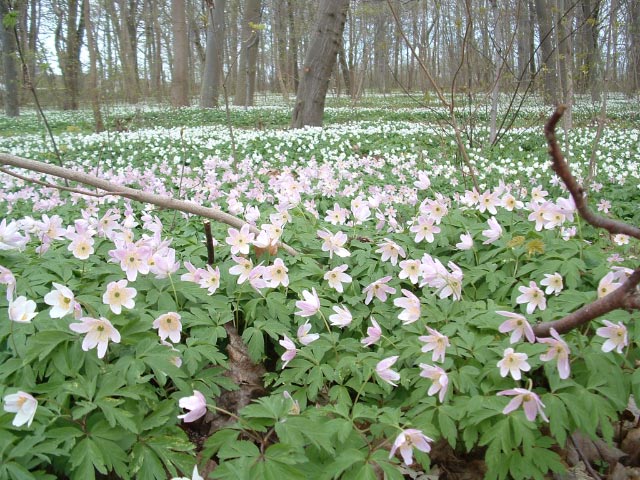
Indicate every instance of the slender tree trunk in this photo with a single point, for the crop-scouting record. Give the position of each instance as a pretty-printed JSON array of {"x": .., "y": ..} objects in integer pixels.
[
  {"x": 245, "y": 84},
  {"x": 280, "y": 42},
  {"x": 319, "y": 63},
  {"x": 180, "y": 74},
  {"x": 214, "y": 53},
  {"x": 591, "y": 67},
  {"x": 548, "y": 63},
  {"x": 524, "y": 53},
  {"x": 380, "y": 47},
  {"x": 293, "y": 46},
  {"x": 93, "y": 71},
  {"x": 498, "y": 64},
  {"x": 633, "y": 68},
  {"x": 9, "y": 63}
]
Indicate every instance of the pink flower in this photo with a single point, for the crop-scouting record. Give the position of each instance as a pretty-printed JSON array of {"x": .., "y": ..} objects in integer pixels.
[
  {"x": 256, "y": 277},
  {"x": 337, "y": 277},
  {"x": 133, "y": 259},
  {"x": 290, "y": 350},
  {"x": 7, "y": 278},
  {"x": 408, "y": 439},
  {"x": 616, "y": 336},
  {"x": 334, "y": 243},
  {"x": 99, "y": 332},
  {"x": 379, "y": 288},
  {"x": 23, "y": 405},
  {"x": 411, "y": 305},
  {"x": 608, "y": 284},
  {"x": 310, "y": 305},
  {"x": 304, "y": 337},
  {"x": 383, "y": 369},
  {"x": 341, "y": 318},
  {"x": 512, "y": 363},
  {"x": 518, "y": 325},
  {"x": 466, "y": 242},
  {"x": 210, "y": 279},
  {"x": 488, "y": 202},
  {"x": 493, "y": 233},
  {"x": 118, "y": 295},
  {"x": 390, "y": 250},
  {"x": 374, "y": 333},
  {"x": 530, "y": 403},
  {"x": 240, "y": 241},
  {"x": 196, "y": 404},
  {"x": 559, "y": 349},
  {"x": 243, "y": 267},
  {"x": 424, "y": 230},
  {"x": 439, "y": 378},
  {"x": 10, "y": 237},
  {"x": 533, "y": 297},
  {"x": 410, "y": 270},
  {"x": 436, "y": 342},
  {"x": 194, "y": 274},
  {"x": 276, "y": 274},
  {"x": 168, "y": 325}
]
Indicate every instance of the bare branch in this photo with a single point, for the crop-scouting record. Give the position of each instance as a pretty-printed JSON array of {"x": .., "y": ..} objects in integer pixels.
[
  {"x": 131, "y": 193},
  {"x": 625, "y": 296},
  {"x": 562, "y": 169},
  {"x": 53, "y": 185}
]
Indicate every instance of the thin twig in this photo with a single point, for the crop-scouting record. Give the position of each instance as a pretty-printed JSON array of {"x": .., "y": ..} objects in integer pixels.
[
  {"x": 584, "y": 459},
  {"x": 209, "y": 242},
  {"x": 55, "y": 186}
]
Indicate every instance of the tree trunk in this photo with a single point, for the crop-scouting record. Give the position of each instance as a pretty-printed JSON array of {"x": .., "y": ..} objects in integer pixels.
[
  {"x": 280, "y": 43},
  {"x": 591, "y": 66},
  {"x": 213, "y": 55},
  {"x": 548, "y": 63},
  {"x": 69, "y": 56},
  {"x": 9, "y": 49},
  {"x": 293, "y": 47},
  {"x": 380, "y": 48},
  {"x": 93, "y": 71},
  {"x": 633, "y": 69},
  {"x": 524, "y": 53},
  {"x": 180, "y": 74},
  {"x": 246, "y": 82},
  {"x": 319, "y": 63},
  {"x": 498, "y": 63}
]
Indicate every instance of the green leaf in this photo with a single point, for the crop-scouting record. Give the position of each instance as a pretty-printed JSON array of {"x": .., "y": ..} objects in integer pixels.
[
  {"x": 240, "y": 448},
  {"x": 18, "y": 472}
]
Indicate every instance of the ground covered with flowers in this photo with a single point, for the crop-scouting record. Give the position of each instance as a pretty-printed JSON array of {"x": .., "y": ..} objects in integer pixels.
[{"x": 397, "y": 342}]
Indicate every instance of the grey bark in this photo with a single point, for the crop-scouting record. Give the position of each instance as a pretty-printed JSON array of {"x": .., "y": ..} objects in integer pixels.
[
  {"x": 213, "y": 54},
  {"x": 9, "y": 64},
  {"x": 633, "y": 70},
  {"x": 548, "y": 61},
  {"x": 93, "y": 71},
  {"x": 180, "y": 74},
  {"x": 247, "y": 67},
  {"x": 319, "y": 63}
]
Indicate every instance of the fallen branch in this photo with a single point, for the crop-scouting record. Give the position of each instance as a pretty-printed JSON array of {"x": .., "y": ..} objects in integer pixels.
[
  {"x": 127, "y": 192},
  {"x": 625, "y": 296}
]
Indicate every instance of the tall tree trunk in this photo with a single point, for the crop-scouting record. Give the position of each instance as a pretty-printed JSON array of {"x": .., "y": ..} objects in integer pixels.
[
  {"x": 9, "y": 64},
  {"x": 93, "y": 71},
  {"x": 180, "y": 74},
  {"x": 245, "y": 84},
  {"x": 591, "y": 67},
  {"x": 213, "y": 55},
  {"x": 548, "y": 62},
  {"x": 293, "y": 46},
  {"x": 346, "y": 73},
  {"x": 280, "y": 43},
  {"x": 633, "y": 68},
  {"x": 69, "y": 57},
  {"x": 565, "y": 67},
  {"x": 524, "y": 52},
  {"x": 319, "y": 63},
  {"x": 380, "y": 47},
  {"x": 498, "y": 64}
]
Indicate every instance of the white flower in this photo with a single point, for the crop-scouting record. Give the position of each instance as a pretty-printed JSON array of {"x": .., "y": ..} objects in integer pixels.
[
  {"x": 616, "y": 336},
  {"x": 341, "y": 318},
  {"x": 168, "y": 325},
  {"x": 493, "y": 233},
  {"x": 512, "y": 363},
  {"x": 553, "y": 282},
  {"x": 61, "y": 299},
  {"x": 118, "y": 295},
  {"x": 337, "y": 277},
  {"x": 466, "y": 242},
  {"x": 408, "y": 439},
  {"x": 23, "y": 405},
  {"x": 22, "y": 310},
  {"x": 533, "y": 297},
  {"x": 99, "y": 332},
  {"x": 304, "y": 337}
]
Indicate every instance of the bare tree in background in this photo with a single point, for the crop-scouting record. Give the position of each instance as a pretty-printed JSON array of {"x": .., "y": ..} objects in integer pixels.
[
  {"x": 9, "y": 64},
  {"x": 68, "y": 43},
  {"x": 212, "y": 73},
  {"x": 180, "y": 73},
  {"x": 319, "y": 63},
  {"x": 94, "y": 94},
  {"x": 246, "y": 82}
]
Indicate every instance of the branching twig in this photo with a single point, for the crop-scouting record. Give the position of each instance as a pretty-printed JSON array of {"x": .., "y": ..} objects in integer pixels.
[
  {"x": 561, "y": 168},
  {"x": 53, "y": 185},
  {"x": 131, "y": 193},
  {"x": 625, "y": 296}
]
